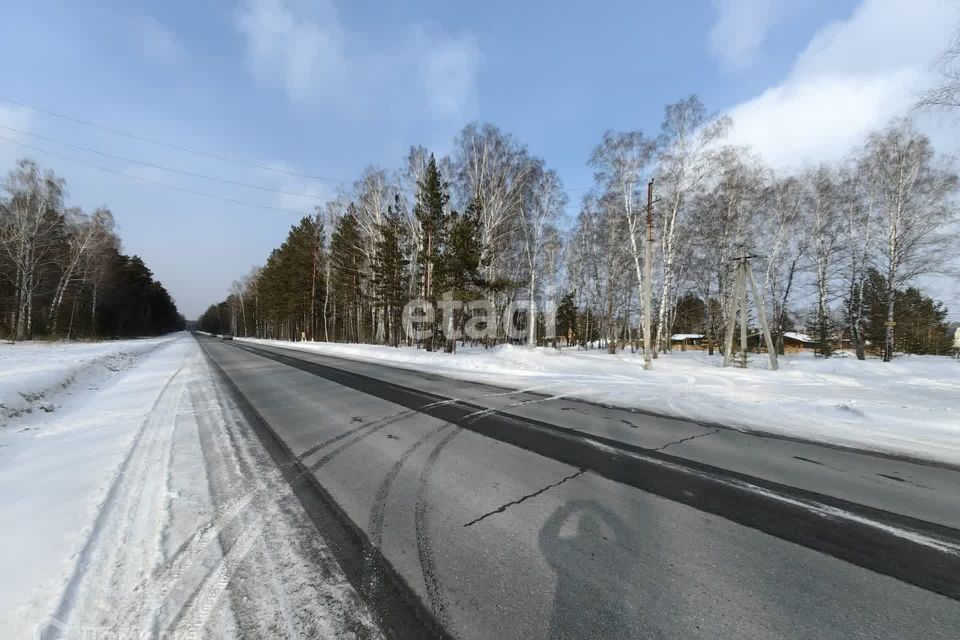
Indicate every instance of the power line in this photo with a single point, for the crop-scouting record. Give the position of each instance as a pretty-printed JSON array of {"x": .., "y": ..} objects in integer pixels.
[
  {"x": 213, "y": 156},
  {"x": 148, "y": 180},
  {"x": 162, "y": 168},
  {"x": 170, "y": 145}
]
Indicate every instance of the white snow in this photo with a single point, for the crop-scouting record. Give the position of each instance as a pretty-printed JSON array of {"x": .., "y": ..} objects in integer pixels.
[
  {"x": 686, "y": 336},
  {"x": 800, "y": 337},
  {"x": 147, "y": 506},
  {"x": 35, "y": 376},
  {"x": 908, "y": 407}
]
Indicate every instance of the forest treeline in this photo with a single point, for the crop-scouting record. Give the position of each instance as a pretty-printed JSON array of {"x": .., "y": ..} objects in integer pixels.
[
  {"x": 63, "y": 272},
  {"x": 838, "y": 247}
]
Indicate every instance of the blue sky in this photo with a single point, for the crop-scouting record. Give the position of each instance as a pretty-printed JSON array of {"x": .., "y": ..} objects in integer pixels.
[{"x": 326, "y": 88}]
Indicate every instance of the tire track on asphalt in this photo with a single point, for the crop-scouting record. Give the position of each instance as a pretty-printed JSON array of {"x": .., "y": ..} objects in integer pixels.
[
  {"x": 346, "y": 434},
  {"x": 428, "y": 563},
  {"x": 902, "y": 547},
  {"x": 376, "y": 521}
]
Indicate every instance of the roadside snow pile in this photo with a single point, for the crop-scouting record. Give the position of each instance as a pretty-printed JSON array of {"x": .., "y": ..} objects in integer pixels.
[
  {"x": 35, "y": 375},
  {"x": 908, "y": 407}
]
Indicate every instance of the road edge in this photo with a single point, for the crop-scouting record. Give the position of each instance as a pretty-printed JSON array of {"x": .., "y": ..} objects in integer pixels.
[{"x": 398, "y": 610}]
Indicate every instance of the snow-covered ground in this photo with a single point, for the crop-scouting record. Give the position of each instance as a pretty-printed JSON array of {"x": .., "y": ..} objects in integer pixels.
[
  {"x": 146, "y": 507},
  {"x": 908, "y": 407},
  {"x": 37, "y": 376}
]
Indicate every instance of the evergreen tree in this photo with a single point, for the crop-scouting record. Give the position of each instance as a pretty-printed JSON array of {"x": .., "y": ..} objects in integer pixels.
[
  {"x": 921, "y": 321},
  {"x": 347, "y": 262},
  {"x": 430, "y": 212},
  {"x": 390, "y": 272},
  {"x": 567, "y": 318}
]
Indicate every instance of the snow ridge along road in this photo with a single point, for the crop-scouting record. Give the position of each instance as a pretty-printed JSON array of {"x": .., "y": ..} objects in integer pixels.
[
  {"x": 195, "y": 532},
  {"x": 39, "y": 376}
]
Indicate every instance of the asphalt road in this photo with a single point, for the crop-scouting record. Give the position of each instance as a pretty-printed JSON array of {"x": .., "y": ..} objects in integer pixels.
[{"x": 469, "y": 511}]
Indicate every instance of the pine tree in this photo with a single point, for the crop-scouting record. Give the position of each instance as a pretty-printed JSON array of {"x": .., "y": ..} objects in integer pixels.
[
  {"x": 430, "y": 212},
  {"x": 346, "y": 255},
  {"x": 461, "y": 264},
  {"x": 390, "y": 272},
  {"x": 567, "y": 318}
]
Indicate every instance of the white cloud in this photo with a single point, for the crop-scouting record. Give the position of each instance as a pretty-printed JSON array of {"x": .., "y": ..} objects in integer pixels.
[
  {"x": 741, "y": 29},
  {"x": 158, "y": 44},
  {"x": 300, "y": 55},
  {"x": 447, "y": 72},
  {"x": 853, "y": 77},
  {"x": 306, "y": 52}
]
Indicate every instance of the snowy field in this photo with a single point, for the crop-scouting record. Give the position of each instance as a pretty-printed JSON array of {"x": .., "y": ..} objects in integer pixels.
[
  {"x": 908, "y": 407},
  {"x": 140, "y": 504}
]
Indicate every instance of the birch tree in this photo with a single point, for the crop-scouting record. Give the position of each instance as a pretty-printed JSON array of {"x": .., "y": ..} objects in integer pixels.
[
  {"x": 494, "y": 169},
  {"x": 686, "y": 145},
  {"x": 910, "y": 190},
  {"x": 785, "y": 240},
  {"x": 31, "y": 228},
  {"x": 85, "y": 235},
  {"x": 619, "y": 163},
  {"x": 822, "y": 219},
  {"x": 857, "y": 227},
  {"x": 544, "y": 204}
]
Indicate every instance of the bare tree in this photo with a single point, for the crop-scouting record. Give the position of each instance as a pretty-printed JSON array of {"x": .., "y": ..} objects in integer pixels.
[
  {"x": 686, "y": 146},
  {"x": 909, "y": 189},
  {"x": 858, "y": 224},
  {"x": 491, "y": 167},
  {"x": 822, "y": 220},
  {"x": 85, "y": 235},
  {"x": 725, "y": 216},
  {"x": 373, "y": 195},
  {"x": 31, "y": 228},
  {"x": 619, "y": 162},
  {"x": 785, "y": 240},
  {"x": 946, "y": 95},
  {"x": 544, "y": 204}
]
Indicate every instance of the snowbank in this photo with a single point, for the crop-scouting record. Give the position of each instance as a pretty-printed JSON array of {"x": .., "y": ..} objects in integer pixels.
[
  {"x": 908, "y": 407},
  {"x": 35, "y": 375}
]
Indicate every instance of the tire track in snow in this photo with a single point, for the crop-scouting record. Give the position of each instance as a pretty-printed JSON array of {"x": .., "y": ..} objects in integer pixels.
[
  {"x": 306, "y": 593},
  {"x": 96, "y": 568}
]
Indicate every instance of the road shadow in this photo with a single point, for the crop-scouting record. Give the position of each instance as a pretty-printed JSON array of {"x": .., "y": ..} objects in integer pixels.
[{"x": 591, "y": 571}]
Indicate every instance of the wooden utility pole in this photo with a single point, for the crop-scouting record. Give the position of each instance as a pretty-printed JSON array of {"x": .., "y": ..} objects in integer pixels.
[
  {"x": 738, "y": 302},
  {"x": 762, "y": 316},
  {"x": 647, "y": 277}
]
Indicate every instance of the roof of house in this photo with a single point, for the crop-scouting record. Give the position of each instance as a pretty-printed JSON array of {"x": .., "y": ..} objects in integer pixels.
[
  {"x": 686, "y": 336},
  {"x": 799, "y": 337}
]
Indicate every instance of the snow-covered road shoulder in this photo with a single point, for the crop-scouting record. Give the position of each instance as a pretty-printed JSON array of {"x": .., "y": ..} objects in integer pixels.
[
  {"x": 148, "y": 508},
  {"x": 910, "y": 407}
]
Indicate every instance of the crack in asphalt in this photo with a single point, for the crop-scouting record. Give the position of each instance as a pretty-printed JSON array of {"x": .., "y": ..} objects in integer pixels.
[
  {"x": 699, "y": 435},
  {"x": 525, "y": 498}
]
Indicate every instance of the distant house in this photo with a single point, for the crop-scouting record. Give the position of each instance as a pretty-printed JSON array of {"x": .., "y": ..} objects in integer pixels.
[
  {"x": 687, "y": 340},
  {"x": 792, "y": 341}
]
